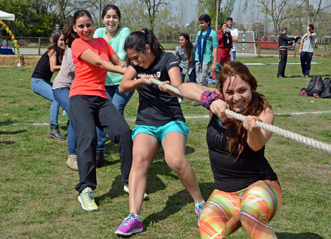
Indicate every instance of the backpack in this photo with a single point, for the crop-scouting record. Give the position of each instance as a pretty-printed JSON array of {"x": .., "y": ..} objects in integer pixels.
[
  {"x": 327, "y": 89},
  {"x": 315, "y": 86}
]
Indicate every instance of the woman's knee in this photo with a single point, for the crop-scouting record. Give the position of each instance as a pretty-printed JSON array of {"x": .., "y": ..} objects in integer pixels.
[
  {"x": 178, "y": 163},
  {"x": 140, "y": 163}
]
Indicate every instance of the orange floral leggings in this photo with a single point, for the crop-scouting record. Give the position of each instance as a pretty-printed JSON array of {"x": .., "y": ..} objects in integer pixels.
[{"x": 252, "y": 208}]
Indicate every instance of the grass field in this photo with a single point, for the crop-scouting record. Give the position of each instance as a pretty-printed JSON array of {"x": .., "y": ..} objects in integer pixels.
[{"x": 38, "y": 199}]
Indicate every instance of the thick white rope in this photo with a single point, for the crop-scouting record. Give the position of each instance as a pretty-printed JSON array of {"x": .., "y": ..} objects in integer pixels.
[{"x": 285, "y": 133}]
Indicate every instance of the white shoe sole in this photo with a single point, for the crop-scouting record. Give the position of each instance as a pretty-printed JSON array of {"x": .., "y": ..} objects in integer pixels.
[
  {"x": 81, "y": 203},
  {"x": 129, "y": 233}
]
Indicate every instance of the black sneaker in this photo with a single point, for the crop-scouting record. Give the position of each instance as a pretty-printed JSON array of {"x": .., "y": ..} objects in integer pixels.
[{"x": 101, "y": 161}]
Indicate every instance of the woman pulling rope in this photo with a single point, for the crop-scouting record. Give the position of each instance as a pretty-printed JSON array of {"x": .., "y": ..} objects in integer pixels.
[{"x": 247, "y": 192}]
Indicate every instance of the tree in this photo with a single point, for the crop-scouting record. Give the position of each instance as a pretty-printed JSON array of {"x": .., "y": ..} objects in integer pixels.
[
  {"x": 153, "y": 8},
  {"x": 225, "y": 9},
  {"x": 276, "y": 10},
  {"x": 133, "y": 15},
  {"x": 311, "y": 12}
]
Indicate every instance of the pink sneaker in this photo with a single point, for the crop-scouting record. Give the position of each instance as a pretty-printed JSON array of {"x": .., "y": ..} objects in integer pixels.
[
  {"x": 130, "y": 225},
  {"x": 198, "y": 210}
]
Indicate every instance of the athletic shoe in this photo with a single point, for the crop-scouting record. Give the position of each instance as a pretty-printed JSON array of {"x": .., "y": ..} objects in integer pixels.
[
  {"x": 180, "y": 100},
  {"x": 194, "y": 103},
  {"x": 72, "y": 162},
  {"x": 126, "y": 190},
  {"x": 132, "y": 224},
  {"x": 100, "y": 159},
  {"x": 303, "y": 75},
  {"x": 307, "y": 76},
  {"x": 198, "y": 210},
  {"x": 86, "y": 199}
]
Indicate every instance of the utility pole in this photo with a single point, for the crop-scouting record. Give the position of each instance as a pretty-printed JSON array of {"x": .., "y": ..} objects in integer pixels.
[
  {"x": 99, "y": 23},
  {"x": 216, "y": 22}
]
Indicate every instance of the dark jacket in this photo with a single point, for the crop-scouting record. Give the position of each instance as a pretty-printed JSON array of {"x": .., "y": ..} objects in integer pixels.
[{"x": 283, "y": 41}]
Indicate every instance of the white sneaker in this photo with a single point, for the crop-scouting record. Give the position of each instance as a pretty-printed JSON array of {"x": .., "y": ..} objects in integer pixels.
[
  {"x": 180, "y": 100},
  {"x": 126, "y": 190}
]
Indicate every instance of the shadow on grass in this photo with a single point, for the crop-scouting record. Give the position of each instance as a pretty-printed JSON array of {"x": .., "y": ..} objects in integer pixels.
[
  {"x": 12, "y": 132},
  {"x": 7, "y": 142},
  {"x": 307, "y": 235},
  {"x": 175, "y": 203}
]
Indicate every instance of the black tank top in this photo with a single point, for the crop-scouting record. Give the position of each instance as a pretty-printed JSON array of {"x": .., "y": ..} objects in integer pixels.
[
  {"x": 43, "y": 70},
  {"x": 231, "y": 175}
]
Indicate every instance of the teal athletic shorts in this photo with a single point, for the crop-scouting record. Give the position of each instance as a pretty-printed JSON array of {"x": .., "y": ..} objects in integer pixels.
[{"x": 159, "y": 132}]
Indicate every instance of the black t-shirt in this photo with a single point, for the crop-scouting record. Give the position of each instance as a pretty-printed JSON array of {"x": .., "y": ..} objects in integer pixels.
[
  {"x": 231, "y": 174},
  {"x": 158, "y": 108},
  {"x": 43, "y": 70}
]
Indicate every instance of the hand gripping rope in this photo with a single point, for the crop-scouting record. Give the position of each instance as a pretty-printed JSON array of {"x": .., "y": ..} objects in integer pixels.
[{"x": 285, "y": 133}]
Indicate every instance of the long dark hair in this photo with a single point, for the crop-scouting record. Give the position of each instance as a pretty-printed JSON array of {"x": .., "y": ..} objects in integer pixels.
[
  {"x": 138, "y": 40},
  {"x": 70, "y": 35},
  {"x": 55, "y": 37},
  {"x": 189, "y": 47},
  {"x": 236, "y": 134},
  {"x": 111, "y": 6}
]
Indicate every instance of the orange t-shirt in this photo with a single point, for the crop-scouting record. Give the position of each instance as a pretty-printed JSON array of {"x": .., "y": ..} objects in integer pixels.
[{"x": 89, "y": 79}]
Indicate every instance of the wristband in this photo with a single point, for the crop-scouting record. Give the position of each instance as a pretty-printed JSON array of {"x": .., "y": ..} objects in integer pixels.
[{"x": 208, "y": 97}]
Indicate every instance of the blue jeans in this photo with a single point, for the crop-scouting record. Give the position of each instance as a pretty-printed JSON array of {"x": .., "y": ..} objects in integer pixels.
[
  {"x": 62, "y": 96},
  {"x": 305, "y": 58},
  {"x": 119, "y": 100},
  {"x": 44, "y": 88}
]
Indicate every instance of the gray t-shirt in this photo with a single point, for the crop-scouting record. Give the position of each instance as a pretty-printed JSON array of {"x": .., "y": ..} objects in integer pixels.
[
  {"x": 67, "y": 72},
  {"x": 308, "y": 42}
]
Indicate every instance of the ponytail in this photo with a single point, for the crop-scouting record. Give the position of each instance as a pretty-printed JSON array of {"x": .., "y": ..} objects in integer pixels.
[{"x": 138, "y": 40}]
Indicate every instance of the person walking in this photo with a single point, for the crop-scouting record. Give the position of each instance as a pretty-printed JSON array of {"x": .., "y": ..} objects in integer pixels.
[
  {"x": 306, "y": 50},
  {"x": 246, "y": 189},
  {"x": 41, "y": 77}
]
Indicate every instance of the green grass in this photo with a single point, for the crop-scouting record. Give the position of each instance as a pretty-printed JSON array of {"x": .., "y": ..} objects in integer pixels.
[{"x": 38, "y": 199}]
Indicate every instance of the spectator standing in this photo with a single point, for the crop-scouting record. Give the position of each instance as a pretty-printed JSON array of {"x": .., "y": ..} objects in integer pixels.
[
  {"x": 57, "y": 27},
  {"x": 283, "y": 43},
  {"x": 306, "y": 50},
  {"x": 224, "y": 44},
  {"x": 235, "y": 38},
  {"x": 185, "y": 53},
  {"x": 206, "y": 53}
]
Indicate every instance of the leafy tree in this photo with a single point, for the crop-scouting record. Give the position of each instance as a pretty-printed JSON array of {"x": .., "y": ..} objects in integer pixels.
[
  {"x": 276, "y": 10},
  {"x": 153, "y": 9},
  {"x": 133, "y": 15},
  {"x": 225, "y": 9},
  {"x": 311, "y": 12}
]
